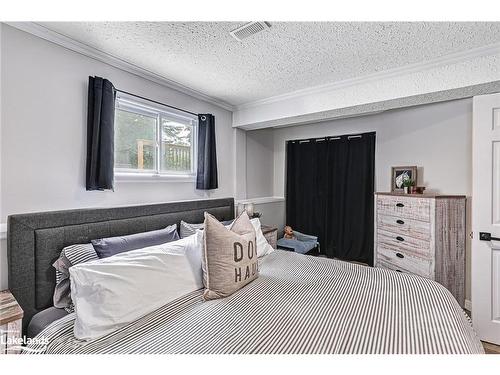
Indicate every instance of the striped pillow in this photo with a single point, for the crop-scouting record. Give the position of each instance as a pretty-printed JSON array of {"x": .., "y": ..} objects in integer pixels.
[
  {"x": 70, "y": 256},
  {"x": 188, "y": 229}
]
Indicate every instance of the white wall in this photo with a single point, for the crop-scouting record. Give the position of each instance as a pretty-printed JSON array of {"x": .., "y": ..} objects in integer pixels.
[
  {"x": 44, "y": 105},
  {"x": 478, "y": 66},
  {"x": 273, "y": 214},
  {"x": 260, "y": 163},
  {"x": 240, "y": 164},
  {"x": 437, "y": 138},
  {"x": 260, "y": 177}
]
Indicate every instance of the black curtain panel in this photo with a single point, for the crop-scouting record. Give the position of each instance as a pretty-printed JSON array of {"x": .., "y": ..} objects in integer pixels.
[
  {"x": 100, "y": 134},
  {"x": 329, "y": 193},
  {"x": 206, "y": 176}
]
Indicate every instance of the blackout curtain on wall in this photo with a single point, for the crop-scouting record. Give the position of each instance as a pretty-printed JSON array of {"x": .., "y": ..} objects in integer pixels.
[
  {"x": 329, "y": 193},
  {"x": 206, "y": 176},
  {"x": 100, "y": 134}
]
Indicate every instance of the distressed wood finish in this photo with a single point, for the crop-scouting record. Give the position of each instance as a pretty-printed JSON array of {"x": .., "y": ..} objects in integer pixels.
[
  {"x": 391, "y": 266},
  {"x": 407, "y": 227},
  {"x": 11, "y": 316},
  {"x": 10, "y": 335},
  {"x": 404, "y": 207},
  {"x": 271, "y": 235},
  {"x": 422, "y": 234},
  {"x": 405, "y": 244},
  {"x": 450, "y": 235},
  {"x": 491, "y": 348},
  {"x": 409, "y": 263}
]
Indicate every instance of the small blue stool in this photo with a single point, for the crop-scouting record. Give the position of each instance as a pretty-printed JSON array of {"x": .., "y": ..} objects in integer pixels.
[{"x": 302, "y": 243}]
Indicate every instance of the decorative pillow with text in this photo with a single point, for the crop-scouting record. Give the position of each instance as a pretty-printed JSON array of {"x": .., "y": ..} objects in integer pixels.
[{"x": 230, "y": 256}]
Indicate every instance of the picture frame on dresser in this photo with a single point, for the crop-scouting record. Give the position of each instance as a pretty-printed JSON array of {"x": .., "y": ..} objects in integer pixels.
[{"x": 399, "y": 174}]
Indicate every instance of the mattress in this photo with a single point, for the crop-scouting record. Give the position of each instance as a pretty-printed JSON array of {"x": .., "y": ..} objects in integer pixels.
[{"x": 299, "y": 304}]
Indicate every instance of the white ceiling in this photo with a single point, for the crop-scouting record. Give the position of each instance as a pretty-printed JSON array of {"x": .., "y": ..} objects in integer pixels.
[{"x": 289, "y": 56}]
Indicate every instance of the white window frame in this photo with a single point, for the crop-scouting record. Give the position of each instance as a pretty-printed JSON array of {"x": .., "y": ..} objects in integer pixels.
[{"x": 151, "y": 109}]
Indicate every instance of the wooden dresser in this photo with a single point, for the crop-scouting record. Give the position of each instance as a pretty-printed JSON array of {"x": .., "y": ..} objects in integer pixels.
[{"x": 424, "y": 235}]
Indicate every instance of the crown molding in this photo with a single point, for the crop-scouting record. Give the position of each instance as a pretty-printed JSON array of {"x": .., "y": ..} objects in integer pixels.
[
  {"x": 86, "y": 50},
  {"x": 372, "y": 108},
  {"x": 449, "y": 59}
]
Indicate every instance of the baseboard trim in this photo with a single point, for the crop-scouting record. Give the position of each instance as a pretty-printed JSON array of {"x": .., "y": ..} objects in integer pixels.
[{"x": 468, "y": 305}]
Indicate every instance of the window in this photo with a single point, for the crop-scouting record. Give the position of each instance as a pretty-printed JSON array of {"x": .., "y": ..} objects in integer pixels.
[{"x": 153, "y": 140}]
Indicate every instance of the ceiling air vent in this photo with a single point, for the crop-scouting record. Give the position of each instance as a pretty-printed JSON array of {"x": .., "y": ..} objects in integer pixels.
[{"x": 249, "y": 29}]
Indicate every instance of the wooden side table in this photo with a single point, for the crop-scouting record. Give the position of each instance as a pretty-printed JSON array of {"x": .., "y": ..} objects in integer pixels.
[
  {"x": 11, "y": 317},
  {"x": 271, "y": 235}
]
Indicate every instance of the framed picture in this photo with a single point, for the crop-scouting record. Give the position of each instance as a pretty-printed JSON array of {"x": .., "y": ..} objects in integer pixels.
[{"x": 400, "y": 174}]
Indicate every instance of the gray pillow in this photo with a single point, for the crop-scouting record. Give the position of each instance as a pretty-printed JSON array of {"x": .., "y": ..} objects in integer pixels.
[
  {"x": 43, "y": 319},
  {"x": 106, "y": 247},
  {"x": 188, "y": 229}
]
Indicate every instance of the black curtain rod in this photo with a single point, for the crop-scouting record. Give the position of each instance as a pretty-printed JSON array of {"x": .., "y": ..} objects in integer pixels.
[
  {"x": 154, "y": 101},
  {"x": 331, "y": 137}
]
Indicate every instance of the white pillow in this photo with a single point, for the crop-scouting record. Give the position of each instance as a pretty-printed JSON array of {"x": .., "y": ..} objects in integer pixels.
[
  {"x": 111, "y": 292},
  {"x": 263, "y": 247}
]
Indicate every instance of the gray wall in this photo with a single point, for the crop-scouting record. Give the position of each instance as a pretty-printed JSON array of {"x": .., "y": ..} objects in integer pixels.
[
  {"x": 44, "y": 105},
  {"x": 260, "y": 175},
  {"x": 260, "y": 163},
  {"x": 437, "y": 138}
]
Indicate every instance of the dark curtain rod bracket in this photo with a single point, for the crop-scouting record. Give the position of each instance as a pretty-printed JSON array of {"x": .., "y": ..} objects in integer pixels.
[
  {"x": 332, "y": 138},
  {"x": 156, "y": 102}
]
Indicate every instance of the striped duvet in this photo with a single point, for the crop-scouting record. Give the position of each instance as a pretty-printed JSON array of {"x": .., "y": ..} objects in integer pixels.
[{"x": 299, "y": 304}]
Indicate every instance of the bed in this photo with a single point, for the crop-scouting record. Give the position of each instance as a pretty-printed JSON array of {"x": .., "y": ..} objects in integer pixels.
[{"x": 299, "y": 303}]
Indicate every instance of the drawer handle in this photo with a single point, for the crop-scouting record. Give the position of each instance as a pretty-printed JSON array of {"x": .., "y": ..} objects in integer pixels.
[
  {"x": 400, "y": 205},
  {"x": 400, "y": 238},
  {"x": 399, "y": 255},
  {"x": 400, "y": 222}
]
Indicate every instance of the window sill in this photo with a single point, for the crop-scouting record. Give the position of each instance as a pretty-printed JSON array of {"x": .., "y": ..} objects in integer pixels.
[{"x": 148, "y": 177}]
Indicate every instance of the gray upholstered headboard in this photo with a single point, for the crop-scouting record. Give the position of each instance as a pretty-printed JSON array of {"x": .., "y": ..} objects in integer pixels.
[{"x": 35, "y": 240}]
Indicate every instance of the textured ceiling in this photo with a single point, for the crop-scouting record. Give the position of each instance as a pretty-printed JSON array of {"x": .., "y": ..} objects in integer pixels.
[{"x": 287, "y": 57}]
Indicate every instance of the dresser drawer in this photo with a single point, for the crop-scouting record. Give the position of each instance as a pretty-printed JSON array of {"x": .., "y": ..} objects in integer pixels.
[
  {"x": 404, "y": 207},
  {"x": 397, "y": 260},
  {"x": 405, "y": 227},
  {"x": 404, "y": 244}
]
